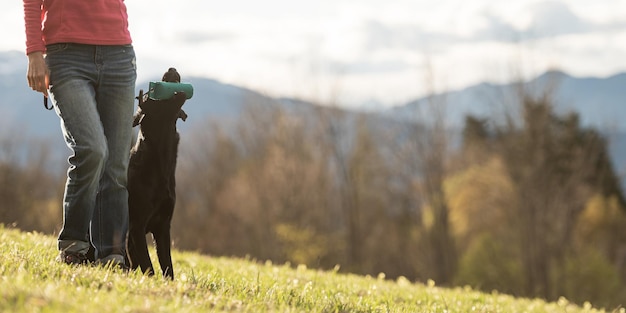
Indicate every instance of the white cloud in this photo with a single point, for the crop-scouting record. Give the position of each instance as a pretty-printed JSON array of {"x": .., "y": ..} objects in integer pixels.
[
  {"x": 367, "y": 48},
  {"x": 553, "y": 18}
]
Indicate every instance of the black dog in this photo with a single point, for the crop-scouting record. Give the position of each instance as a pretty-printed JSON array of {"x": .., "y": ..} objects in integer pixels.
[{"x": 151, "y": 181}]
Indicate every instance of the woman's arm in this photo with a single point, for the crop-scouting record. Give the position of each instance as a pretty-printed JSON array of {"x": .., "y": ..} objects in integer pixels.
[
  {"x": 33, "y": 16},
  {"x": 37, "y": 74}
]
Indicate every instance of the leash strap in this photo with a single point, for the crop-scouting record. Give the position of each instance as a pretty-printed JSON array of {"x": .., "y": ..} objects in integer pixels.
[{"x": 45, "y": 104}]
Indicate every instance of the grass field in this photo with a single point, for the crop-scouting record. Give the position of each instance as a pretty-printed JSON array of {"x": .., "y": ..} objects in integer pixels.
[{"x": 31, "y": 281}]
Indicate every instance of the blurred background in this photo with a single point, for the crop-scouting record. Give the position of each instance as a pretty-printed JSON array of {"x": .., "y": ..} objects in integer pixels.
[{"x": 475, "y": 143}]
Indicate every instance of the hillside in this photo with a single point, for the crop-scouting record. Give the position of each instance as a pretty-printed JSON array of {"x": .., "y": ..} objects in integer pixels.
[{"x": 33, "y": 281}]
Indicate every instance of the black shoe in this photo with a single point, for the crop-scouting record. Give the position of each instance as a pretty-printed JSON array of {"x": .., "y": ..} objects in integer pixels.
[
  {"x": 114, "y": 261},
  {"x": 73, "y": 258}
]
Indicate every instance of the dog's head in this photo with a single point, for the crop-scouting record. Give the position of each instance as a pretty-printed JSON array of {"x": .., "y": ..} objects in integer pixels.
[{"x": 160, "y": 112}]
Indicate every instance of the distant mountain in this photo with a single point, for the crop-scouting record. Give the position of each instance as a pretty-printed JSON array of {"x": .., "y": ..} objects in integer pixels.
[
  {"x": 601, "y": 103},
  {"x": 22, "y": 107},
  {"x": 22, "y": 111}
]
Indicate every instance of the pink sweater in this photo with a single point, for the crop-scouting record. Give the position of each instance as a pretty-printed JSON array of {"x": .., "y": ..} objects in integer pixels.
[{"x": 94, "y": 22}]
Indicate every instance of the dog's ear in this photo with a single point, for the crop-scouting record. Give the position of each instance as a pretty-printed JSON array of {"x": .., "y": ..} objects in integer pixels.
[
  {"x": 139, "y": 114},
  {"x": 138, "y": 117},
  {"x": 182, "y": 115}
]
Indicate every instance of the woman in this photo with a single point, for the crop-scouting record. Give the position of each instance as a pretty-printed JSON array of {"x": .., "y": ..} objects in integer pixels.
[{"x": 80, "y": 56}]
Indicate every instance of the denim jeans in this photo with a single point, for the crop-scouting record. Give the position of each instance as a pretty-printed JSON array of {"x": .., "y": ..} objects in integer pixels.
[{"x": 93, "y": 89}]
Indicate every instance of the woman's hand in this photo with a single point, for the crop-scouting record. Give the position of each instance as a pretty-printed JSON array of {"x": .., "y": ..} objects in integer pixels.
[{"x": 38, "y": 74}]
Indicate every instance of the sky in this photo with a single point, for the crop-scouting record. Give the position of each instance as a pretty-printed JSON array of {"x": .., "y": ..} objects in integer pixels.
[{"x": 366, "y": 53}]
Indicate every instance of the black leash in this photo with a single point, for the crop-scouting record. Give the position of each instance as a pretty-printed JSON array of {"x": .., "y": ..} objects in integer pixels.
[{"x": 45, "y": 104}]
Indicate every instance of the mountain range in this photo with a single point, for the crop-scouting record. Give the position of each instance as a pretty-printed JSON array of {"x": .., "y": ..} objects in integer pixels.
[{"x": 600, "y": 102}]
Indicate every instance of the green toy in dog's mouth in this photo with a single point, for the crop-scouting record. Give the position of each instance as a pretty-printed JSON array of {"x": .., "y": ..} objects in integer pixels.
[{"x": 166, "y": 90}]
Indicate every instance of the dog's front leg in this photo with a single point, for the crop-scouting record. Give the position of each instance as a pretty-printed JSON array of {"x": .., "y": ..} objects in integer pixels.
[{"x": 162, "y": 240}]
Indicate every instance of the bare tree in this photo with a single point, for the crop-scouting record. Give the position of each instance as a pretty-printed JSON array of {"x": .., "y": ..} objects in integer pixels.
[
  {"x": 556, "y": 166},
  {"x": 30, "y": 185},
  {"x": 426, "y": 154}
]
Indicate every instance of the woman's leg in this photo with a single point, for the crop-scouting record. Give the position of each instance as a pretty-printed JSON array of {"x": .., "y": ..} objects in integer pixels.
[
  {"x": 72, "y": 78},
  {"x": 115, "y": 97}
]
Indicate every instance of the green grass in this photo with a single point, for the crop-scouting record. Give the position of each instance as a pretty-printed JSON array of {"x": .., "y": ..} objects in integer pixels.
[{"x": 31, "y": 281}]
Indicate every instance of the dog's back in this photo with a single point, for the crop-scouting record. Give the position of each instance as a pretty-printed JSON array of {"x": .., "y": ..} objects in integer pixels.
[{"x": 151, "y": 181}]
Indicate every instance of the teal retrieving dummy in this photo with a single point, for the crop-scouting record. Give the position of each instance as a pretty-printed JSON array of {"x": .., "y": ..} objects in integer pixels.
[{"x": 166, "y": 90}]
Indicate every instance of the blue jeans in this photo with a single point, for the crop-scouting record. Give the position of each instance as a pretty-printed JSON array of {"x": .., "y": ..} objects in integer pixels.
[{"x": 93, "y": 89}]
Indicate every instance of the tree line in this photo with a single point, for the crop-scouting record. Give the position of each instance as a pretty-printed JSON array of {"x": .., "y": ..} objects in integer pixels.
[{"x": 526, "y": 202}]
